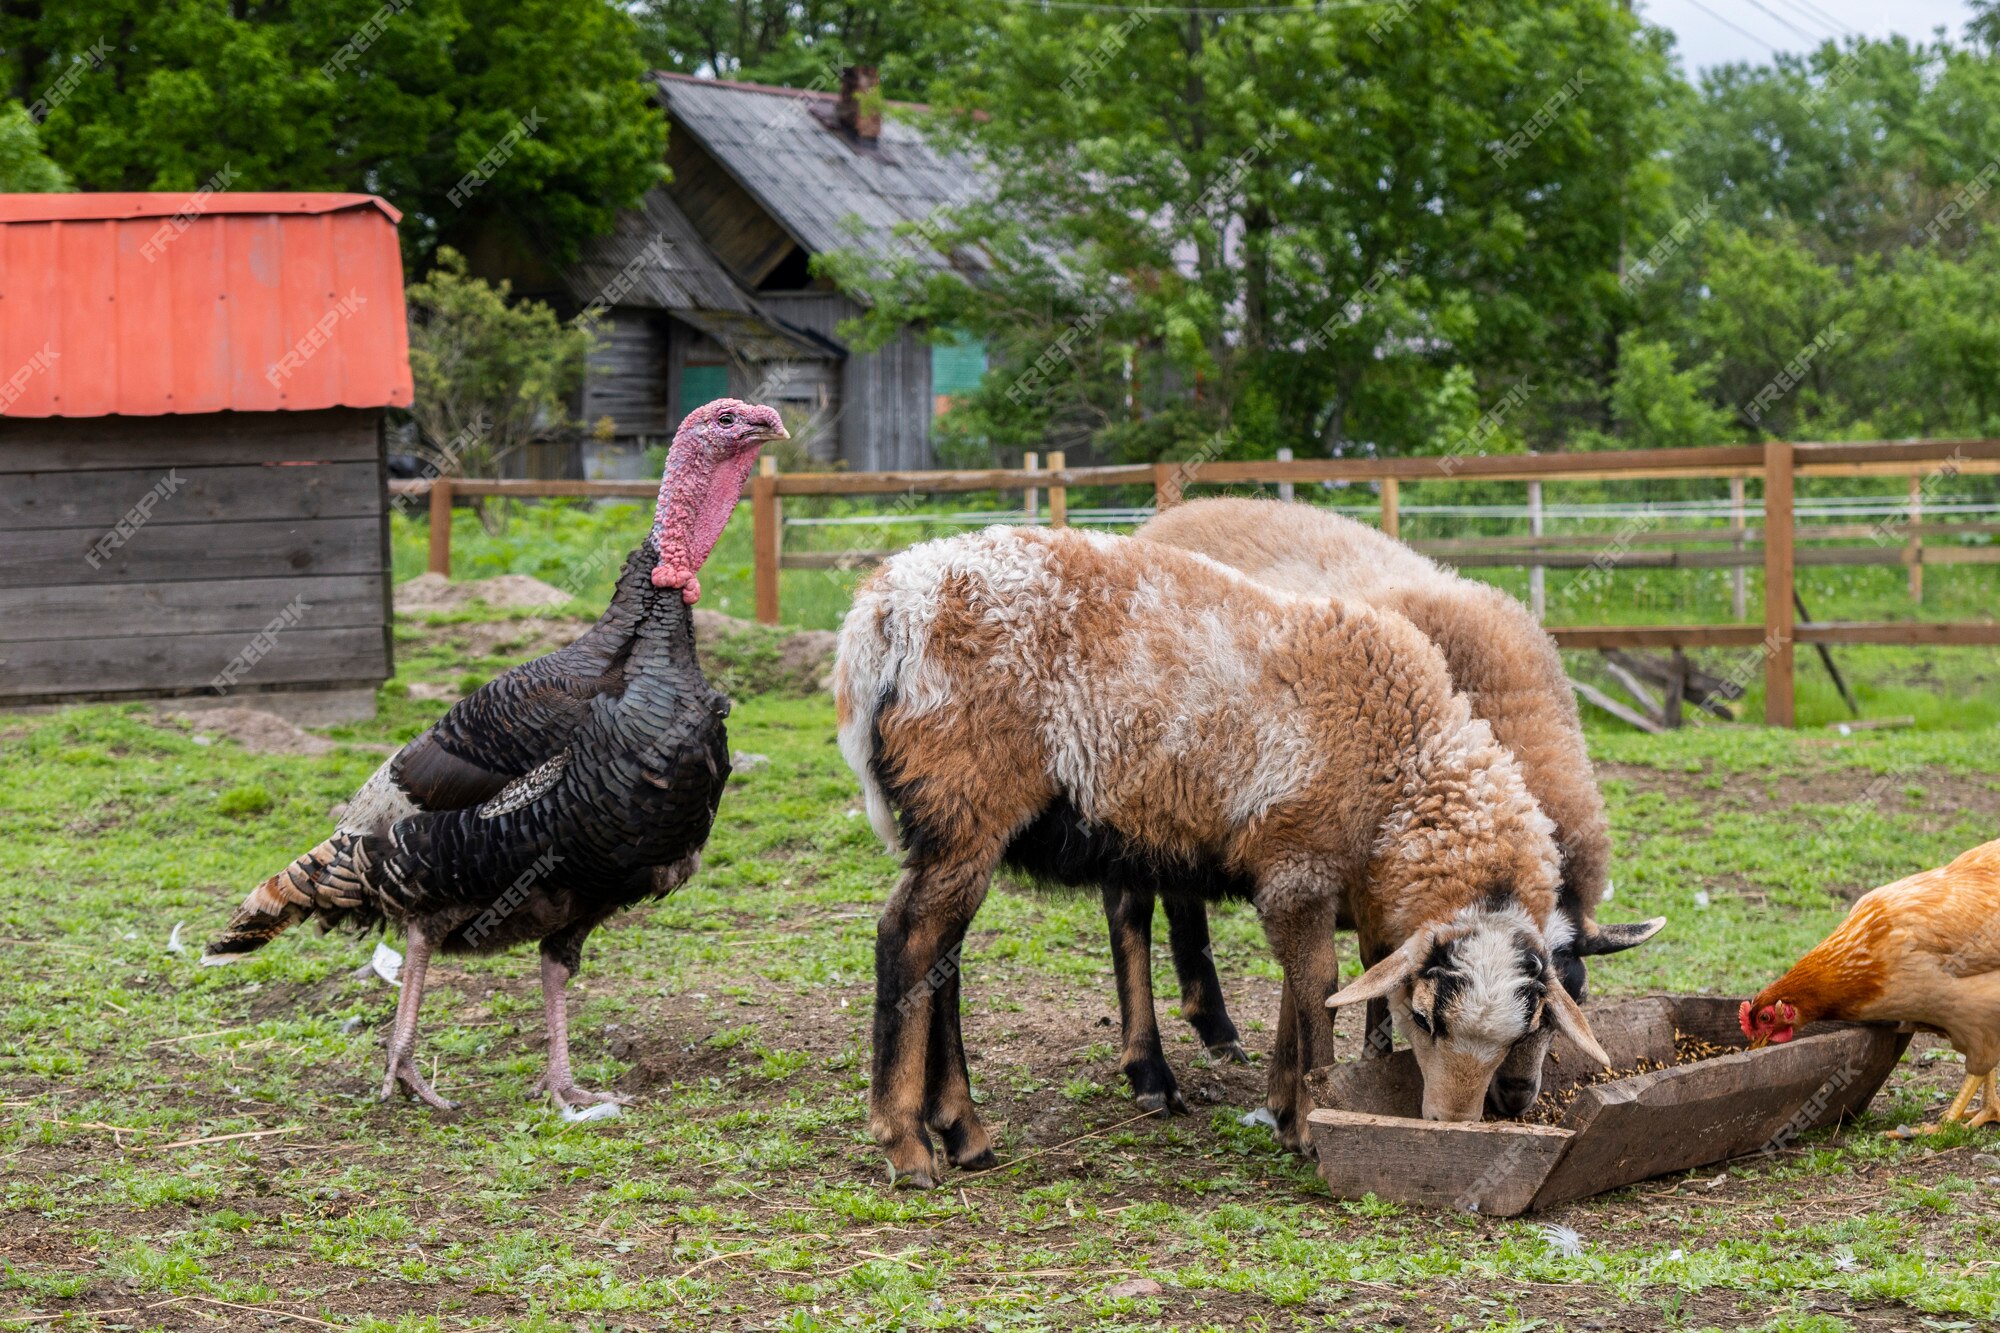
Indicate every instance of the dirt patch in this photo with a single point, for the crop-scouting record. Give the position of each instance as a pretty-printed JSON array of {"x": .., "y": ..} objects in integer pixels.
[
  {"x": 507, "y": 592},
  {"x": 1945, "y": 792},
  {"x": 252, "y": 728},
  {"x": 747, "y": 658}
]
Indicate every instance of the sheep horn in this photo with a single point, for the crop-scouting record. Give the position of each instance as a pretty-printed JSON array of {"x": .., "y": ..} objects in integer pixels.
[
  {"x": 1377, "y": 981},
  {"x": 1618, "y": 937},
  {"x": 1572, "y": 1024}
]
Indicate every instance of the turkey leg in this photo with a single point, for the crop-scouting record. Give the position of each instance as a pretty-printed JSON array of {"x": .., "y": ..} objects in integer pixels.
[
  {"x": 403, "y": 1032},
  {"x": 558, "y": 1082}
]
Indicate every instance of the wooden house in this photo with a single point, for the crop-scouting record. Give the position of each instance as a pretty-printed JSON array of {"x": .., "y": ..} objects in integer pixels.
[
  {"x": 770, "y": 178},
  {"x": 193, "y": 497},
  {"x": 707, "y": 288}
]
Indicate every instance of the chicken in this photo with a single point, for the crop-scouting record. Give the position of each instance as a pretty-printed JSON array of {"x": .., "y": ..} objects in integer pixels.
[
  {"x": 556, "y": 794},
  {"x": 1924, "y": 950}
]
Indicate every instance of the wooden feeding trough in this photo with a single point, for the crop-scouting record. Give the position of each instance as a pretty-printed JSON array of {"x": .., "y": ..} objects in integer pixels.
[{"x": 1676, "y": 1117}]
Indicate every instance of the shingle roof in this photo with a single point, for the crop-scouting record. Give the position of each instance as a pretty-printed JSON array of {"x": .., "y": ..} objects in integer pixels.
[
  {"x": 817, "y": 181},
  {"x": 654, "y": 259},
  {"x": 149, "y": 304}
]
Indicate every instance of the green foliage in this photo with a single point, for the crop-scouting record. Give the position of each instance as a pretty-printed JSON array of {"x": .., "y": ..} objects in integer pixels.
[
  {"x": 401, "y": 100},
  {"x": 24, "y": 167},
  {"x": 492, "y": 375}
]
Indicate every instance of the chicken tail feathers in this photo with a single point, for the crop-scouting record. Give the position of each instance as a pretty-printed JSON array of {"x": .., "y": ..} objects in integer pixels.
[{"x": 330, "y": 881}]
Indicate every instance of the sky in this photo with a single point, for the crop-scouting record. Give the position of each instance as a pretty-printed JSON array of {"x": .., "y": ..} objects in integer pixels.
[{"x": 1705, "y": 38}]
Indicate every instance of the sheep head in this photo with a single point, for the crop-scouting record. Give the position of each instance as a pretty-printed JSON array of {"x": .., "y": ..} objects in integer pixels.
[{"x": 1467, "y": 992}]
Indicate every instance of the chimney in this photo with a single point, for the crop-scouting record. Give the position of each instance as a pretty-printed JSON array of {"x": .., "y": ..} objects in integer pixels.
[{"x": 859, "y": 110}]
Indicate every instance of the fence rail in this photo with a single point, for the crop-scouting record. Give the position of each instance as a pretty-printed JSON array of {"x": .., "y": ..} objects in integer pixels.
[{"x": 1772, "y": 545}]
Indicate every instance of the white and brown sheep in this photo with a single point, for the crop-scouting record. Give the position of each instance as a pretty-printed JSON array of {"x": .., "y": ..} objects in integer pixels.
[
  {"x": 1111, "y": 713},
  {"x": 1510, "y": 673}
]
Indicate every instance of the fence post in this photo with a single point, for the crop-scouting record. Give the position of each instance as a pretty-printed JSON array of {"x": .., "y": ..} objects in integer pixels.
[
  {"x": 441, "y": 526},
  {"x": 1392, "y": 514},
  {"x": 1031, "y": 462},
  {"x": 1166, "y": 486},
  {"x": 1778, "y": 583},
  {"x": 1538, "y": 577},
  {"x": 766, "y": 538},
  {"x": 1738, "y": 577},
  {"x": 1916, "y": 549},
  {"x": 1058, "y": 495},
  {"x": 1285, "y": 487}
]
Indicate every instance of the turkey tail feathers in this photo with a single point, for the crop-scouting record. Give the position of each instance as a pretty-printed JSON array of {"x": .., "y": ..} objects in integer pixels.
[{"x": 329, "y": 881}]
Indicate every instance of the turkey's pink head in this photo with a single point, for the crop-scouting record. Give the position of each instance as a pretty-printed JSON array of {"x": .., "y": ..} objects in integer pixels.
[{"x": 711, "y": 454}]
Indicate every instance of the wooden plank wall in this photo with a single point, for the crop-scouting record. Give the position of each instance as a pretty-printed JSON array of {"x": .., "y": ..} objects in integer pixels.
[
  {"x": 885, "y": 395},
  {"x": 627, "y": 379},
  {"x": 262, "y": 512}
]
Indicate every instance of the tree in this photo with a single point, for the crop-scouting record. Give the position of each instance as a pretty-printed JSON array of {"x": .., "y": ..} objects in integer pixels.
[
  {"x": 806, "y": 43},
  {"x": 1264, "y": 229},
  {"x": 454, "y": 110},
  {"x": 491, "y": 376},
  {"x": 24, "y": 168}
]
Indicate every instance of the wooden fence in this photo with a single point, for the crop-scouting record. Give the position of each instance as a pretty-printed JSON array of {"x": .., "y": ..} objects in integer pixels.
[{"x": 1773, "y": 546}]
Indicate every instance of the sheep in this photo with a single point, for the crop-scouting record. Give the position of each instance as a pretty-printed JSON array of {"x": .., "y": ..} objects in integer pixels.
[
  {"x": 1104, "y": 712},
  {"x": 1512, "y": 676}
]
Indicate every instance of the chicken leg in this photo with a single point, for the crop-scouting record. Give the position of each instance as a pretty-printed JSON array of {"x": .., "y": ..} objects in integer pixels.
[
  {"x": 403, "y": 1032},
  {"x": 1989, "y": 1111},
  {"x": 559, "y": 1082},
  {"x": 1989, "y": 1103}
]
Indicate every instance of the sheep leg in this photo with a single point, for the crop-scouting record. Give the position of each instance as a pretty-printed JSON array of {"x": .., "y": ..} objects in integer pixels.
[
  {"x": 1129, "y": 914},
  {"x": 1301, "y": 934},
  {"x": 1201, "y": 988},
  {"x": 914, "y": 959},
  {"x": 947, "y": 1085},
  {"x": 1282, "y": 1079}
]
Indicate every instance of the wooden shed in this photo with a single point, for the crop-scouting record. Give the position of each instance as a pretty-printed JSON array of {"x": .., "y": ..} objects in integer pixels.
[{"x": 193, "y": 493}]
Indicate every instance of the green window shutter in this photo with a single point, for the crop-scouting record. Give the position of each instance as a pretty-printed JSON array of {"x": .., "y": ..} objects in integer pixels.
[
  {"x": 957, "y": 366},
  {"x": 702, "y": 384}
]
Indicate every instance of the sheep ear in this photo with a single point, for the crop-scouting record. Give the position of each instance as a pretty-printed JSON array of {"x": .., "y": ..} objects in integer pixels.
[
  {"x": 1378, "y": 980},
  {"x": 1618, "y": 937},
  {"x": 1569, "y": 1019}
]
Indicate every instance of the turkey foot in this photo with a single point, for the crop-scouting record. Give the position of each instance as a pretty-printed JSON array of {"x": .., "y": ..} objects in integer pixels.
[
  {"x": 403, "y": 1070},
  {"x": 404, "y": 1073},
  {"x": 558, "y": 1081}
]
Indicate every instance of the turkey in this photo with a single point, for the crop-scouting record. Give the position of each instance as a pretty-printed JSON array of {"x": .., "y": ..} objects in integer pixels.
[{"x": 559, "y": 792}]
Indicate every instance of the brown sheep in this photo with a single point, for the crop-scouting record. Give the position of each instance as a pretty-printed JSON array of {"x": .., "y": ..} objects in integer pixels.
[
  {"x": 1511, "y": 674},
  {"x": 1105, "y": 712}
]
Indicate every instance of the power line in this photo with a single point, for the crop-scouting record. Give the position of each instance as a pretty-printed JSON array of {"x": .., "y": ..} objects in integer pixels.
[
  {"x": 1834, "y": 29},
  {"x": 1784, "y": 22},
  {"x": 1763, "y": 41}
]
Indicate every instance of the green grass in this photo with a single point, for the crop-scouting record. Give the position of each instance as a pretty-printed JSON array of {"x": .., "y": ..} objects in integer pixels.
[{"x": 741, "y": 1191}]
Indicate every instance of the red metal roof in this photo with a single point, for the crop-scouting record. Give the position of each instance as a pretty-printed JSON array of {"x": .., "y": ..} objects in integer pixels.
[{"x": 145, "y": 304}]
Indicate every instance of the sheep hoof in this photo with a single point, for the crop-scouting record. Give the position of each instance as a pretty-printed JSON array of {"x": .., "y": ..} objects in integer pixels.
[
  {"x": 1169, "y": 1102},
  {"x": 918, "y": 1179},
  {"x": 1229, "y": 1053},
  {"x": 983, "y": 1160}
]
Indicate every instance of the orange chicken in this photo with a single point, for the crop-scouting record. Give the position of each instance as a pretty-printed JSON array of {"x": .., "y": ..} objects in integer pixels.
[{"x": 1924, "y": 950}]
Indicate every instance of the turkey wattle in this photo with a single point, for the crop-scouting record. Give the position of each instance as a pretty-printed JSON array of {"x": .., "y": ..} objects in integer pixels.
[{"x": 554, "y": 795}]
